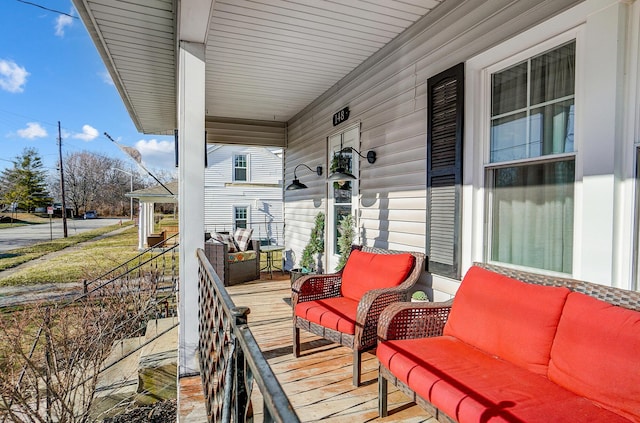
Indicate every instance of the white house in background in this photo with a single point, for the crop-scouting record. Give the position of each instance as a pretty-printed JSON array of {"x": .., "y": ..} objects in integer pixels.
[{"x": 243, "y": 188}]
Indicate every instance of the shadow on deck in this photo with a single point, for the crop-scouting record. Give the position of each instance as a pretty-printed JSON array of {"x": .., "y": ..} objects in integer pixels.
[{"x": 318, "y": 383}]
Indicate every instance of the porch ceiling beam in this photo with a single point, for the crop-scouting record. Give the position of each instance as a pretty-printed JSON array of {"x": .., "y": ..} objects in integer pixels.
[{"x": 194, "y": 17}]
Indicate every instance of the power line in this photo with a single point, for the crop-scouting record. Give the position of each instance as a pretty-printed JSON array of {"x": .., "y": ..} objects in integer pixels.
[{"x": 48, "y": 9}]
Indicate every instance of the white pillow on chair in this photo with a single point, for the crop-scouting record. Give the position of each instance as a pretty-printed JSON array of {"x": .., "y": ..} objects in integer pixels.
[
  {"x": 227, "y": 239},
  {"x": 242, "y": 237}
]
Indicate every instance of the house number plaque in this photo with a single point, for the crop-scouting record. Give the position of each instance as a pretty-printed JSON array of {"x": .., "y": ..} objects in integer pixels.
[{"x": 340, "y": 116}]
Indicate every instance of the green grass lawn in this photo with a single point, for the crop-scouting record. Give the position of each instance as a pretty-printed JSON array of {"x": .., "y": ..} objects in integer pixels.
[
  {"x": 92, "y": 260},
  {"x": 11, "y": 220}
]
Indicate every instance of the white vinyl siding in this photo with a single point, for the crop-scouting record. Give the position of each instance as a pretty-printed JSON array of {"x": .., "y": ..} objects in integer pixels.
[
  {"x": 388, "y": 97},
  {"x": 244, "y": 132}
]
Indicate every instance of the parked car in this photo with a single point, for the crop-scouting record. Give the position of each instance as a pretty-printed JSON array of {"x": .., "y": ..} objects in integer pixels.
[{"x": 90, "y": 214}]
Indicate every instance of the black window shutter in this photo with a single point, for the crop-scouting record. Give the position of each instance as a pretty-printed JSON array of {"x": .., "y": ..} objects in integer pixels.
[{"x": 445, "y": 101}]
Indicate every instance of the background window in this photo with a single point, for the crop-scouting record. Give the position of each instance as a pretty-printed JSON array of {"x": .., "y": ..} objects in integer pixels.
[
  {"x": 240, "y": 217},
  {"x": 240, "y": 167},
  {"x": 531, "y": 204}
]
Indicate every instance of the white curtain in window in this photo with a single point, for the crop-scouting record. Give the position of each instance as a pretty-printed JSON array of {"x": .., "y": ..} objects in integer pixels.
[{"x": 533, "y": 216}]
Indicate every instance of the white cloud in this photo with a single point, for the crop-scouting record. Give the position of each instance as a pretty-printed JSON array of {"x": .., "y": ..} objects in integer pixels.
[
  {"x": 106, "y": 78},
  {"x": 12, "y": 76},
  {"x": 32, "y": 131},
  {"x": 62, "y": 22},
  {"x": 89, "y": 133},
  {"x": 158, "y": 154}
]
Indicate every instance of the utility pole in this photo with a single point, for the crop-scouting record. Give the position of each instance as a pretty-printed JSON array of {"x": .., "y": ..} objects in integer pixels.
[
  {"x": 64, "y": 204},
  {"x": 130, "y": 189}
]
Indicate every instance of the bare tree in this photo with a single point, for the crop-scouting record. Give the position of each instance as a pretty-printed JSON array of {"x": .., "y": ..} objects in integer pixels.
[
  {"x": 51, "y": 356},
  {"x": 93, "y": 183}
]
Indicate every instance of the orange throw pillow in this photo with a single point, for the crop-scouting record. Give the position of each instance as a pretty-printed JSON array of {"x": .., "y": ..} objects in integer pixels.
[
  {"x": 596, "y": 354},
  {"x": 510, "y": 319},
  {"x": 366, "y": 271}
]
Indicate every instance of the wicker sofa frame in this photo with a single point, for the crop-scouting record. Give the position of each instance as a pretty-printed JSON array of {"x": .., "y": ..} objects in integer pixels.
[
  {"x": 233, "y": 273},
  {"x": 421, "y": 320},
  {"x": 316, "y": 287}
]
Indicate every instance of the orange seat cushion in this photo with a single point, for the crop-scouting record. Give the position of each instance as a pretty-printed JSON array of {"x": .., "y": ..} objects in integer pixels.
[
  {"x": 366, "y": 271},
  {"x": 513, "y": 320},
  {"x": 472, "y": 386},
  {"x": 596, "y": 354},
  {"x": 333, "y": 313}
]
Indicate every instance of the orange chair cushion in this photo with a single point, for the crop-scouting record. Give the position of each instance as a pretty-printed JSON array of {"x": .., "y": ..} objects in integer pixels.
[
  {"x": 472, "y": 386},
  {"x": 366, "y": 271},
  {"x": 596, "y": 354},
  {"x": 333, "y": 313},
  {"x": 513, "y": 320}
]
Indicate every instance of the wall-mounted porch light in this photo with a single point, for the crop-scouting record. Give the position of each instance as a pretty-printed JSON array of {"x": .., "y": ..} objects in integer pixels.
[
  {"x": 342, "y": 172},
  {"x": 296, "y": 184}
]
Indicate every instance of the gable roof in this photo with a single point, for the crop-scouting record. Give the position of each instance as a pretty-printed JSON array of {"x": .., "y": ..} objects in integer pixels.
[{"x": 156, "y": 194}]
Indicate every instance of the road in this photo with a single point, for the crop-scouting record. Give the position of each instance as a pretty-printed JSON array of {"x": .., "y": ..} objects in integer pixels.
[{"x": 21, "y": 236}]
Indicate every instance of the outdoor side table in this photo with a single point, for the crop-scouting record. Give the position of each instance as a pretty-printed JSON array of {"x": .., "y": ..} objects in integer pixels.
[{"x": 270, "y": 265}]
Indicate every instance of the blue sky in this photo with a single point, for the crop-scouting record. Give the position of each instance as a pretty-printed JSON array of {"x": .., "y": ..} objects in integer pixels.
[{"x": 50, "y": 71}]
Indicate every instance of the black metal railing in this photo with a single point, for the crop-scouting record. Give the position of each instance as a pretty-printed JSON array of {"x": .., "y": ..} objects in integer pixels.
[
  {"x": 158, "y": 259},
  {"x": 230, "y": 358},
  {"x": 268, "y": 233}
]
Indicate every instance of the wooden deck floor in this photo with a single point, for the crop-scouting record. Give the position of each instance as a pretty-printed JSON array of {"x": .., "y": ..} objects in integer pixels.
[{"x": 318, "y": 383}]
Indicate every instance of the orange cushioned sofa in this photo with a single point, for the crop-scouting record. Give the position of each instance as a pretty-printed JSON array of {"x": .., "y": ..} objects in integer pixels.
[{"x": 515, "y": 346}]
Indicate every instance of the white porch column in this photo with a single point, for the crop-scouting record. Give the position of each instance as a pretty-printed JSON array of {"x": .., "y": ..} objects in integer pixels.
[
  {"x": 141, "y": 223},
  {"x": 191, "y": 124},
  {"x": 151, "y": 219}
]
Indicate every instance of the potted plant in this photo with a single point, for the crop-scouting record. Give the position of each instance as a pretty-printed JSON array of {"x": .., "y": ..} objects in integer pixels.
[
  {"x": 345, "y": 239},
  {"x": 339, "y": 162},
  {"x": 419, "y": 297},
  {"x": 311, "y": 260}
]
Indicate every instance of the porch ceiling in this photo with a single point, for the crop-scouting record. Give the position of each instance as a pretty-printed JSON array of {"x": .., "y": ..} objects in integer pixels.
[{"x": 265, "y": 60}]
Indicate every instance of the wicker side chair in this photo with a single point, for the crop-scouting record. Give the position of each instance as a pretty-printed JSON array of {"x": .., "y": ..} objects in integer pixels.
[{"x": 363, "y": 336}]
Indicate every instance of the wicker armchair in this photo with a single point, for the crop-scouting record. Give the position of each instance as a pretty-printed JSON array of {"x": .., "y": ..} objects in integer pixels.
[{"x": 321, "y": 287}]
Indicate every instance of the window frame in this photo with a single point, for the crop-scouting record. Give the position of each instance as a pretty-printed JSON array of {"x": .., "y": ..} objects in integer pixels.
[
  {"x": 235, "y": 218},
  {"x": 246, "y": 168},
  {"x": 487, "y": 168},
  {"x": 333, "y": 255}
]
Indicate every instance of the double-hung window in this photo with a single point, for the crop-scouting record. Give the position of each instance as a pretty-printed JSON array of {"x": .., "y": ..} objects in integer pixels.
[
  {"x": 240, "y": 167},
  {"x": 531, "y": 169},
  {"x": 240, "y": 216}
]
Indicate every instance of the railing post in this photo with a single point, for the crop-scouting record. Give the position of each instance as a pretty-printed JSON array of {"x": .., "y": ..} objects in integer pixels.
[
  {"x": 47, "y": 354},
  {"x": 242, "y": 394}
]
